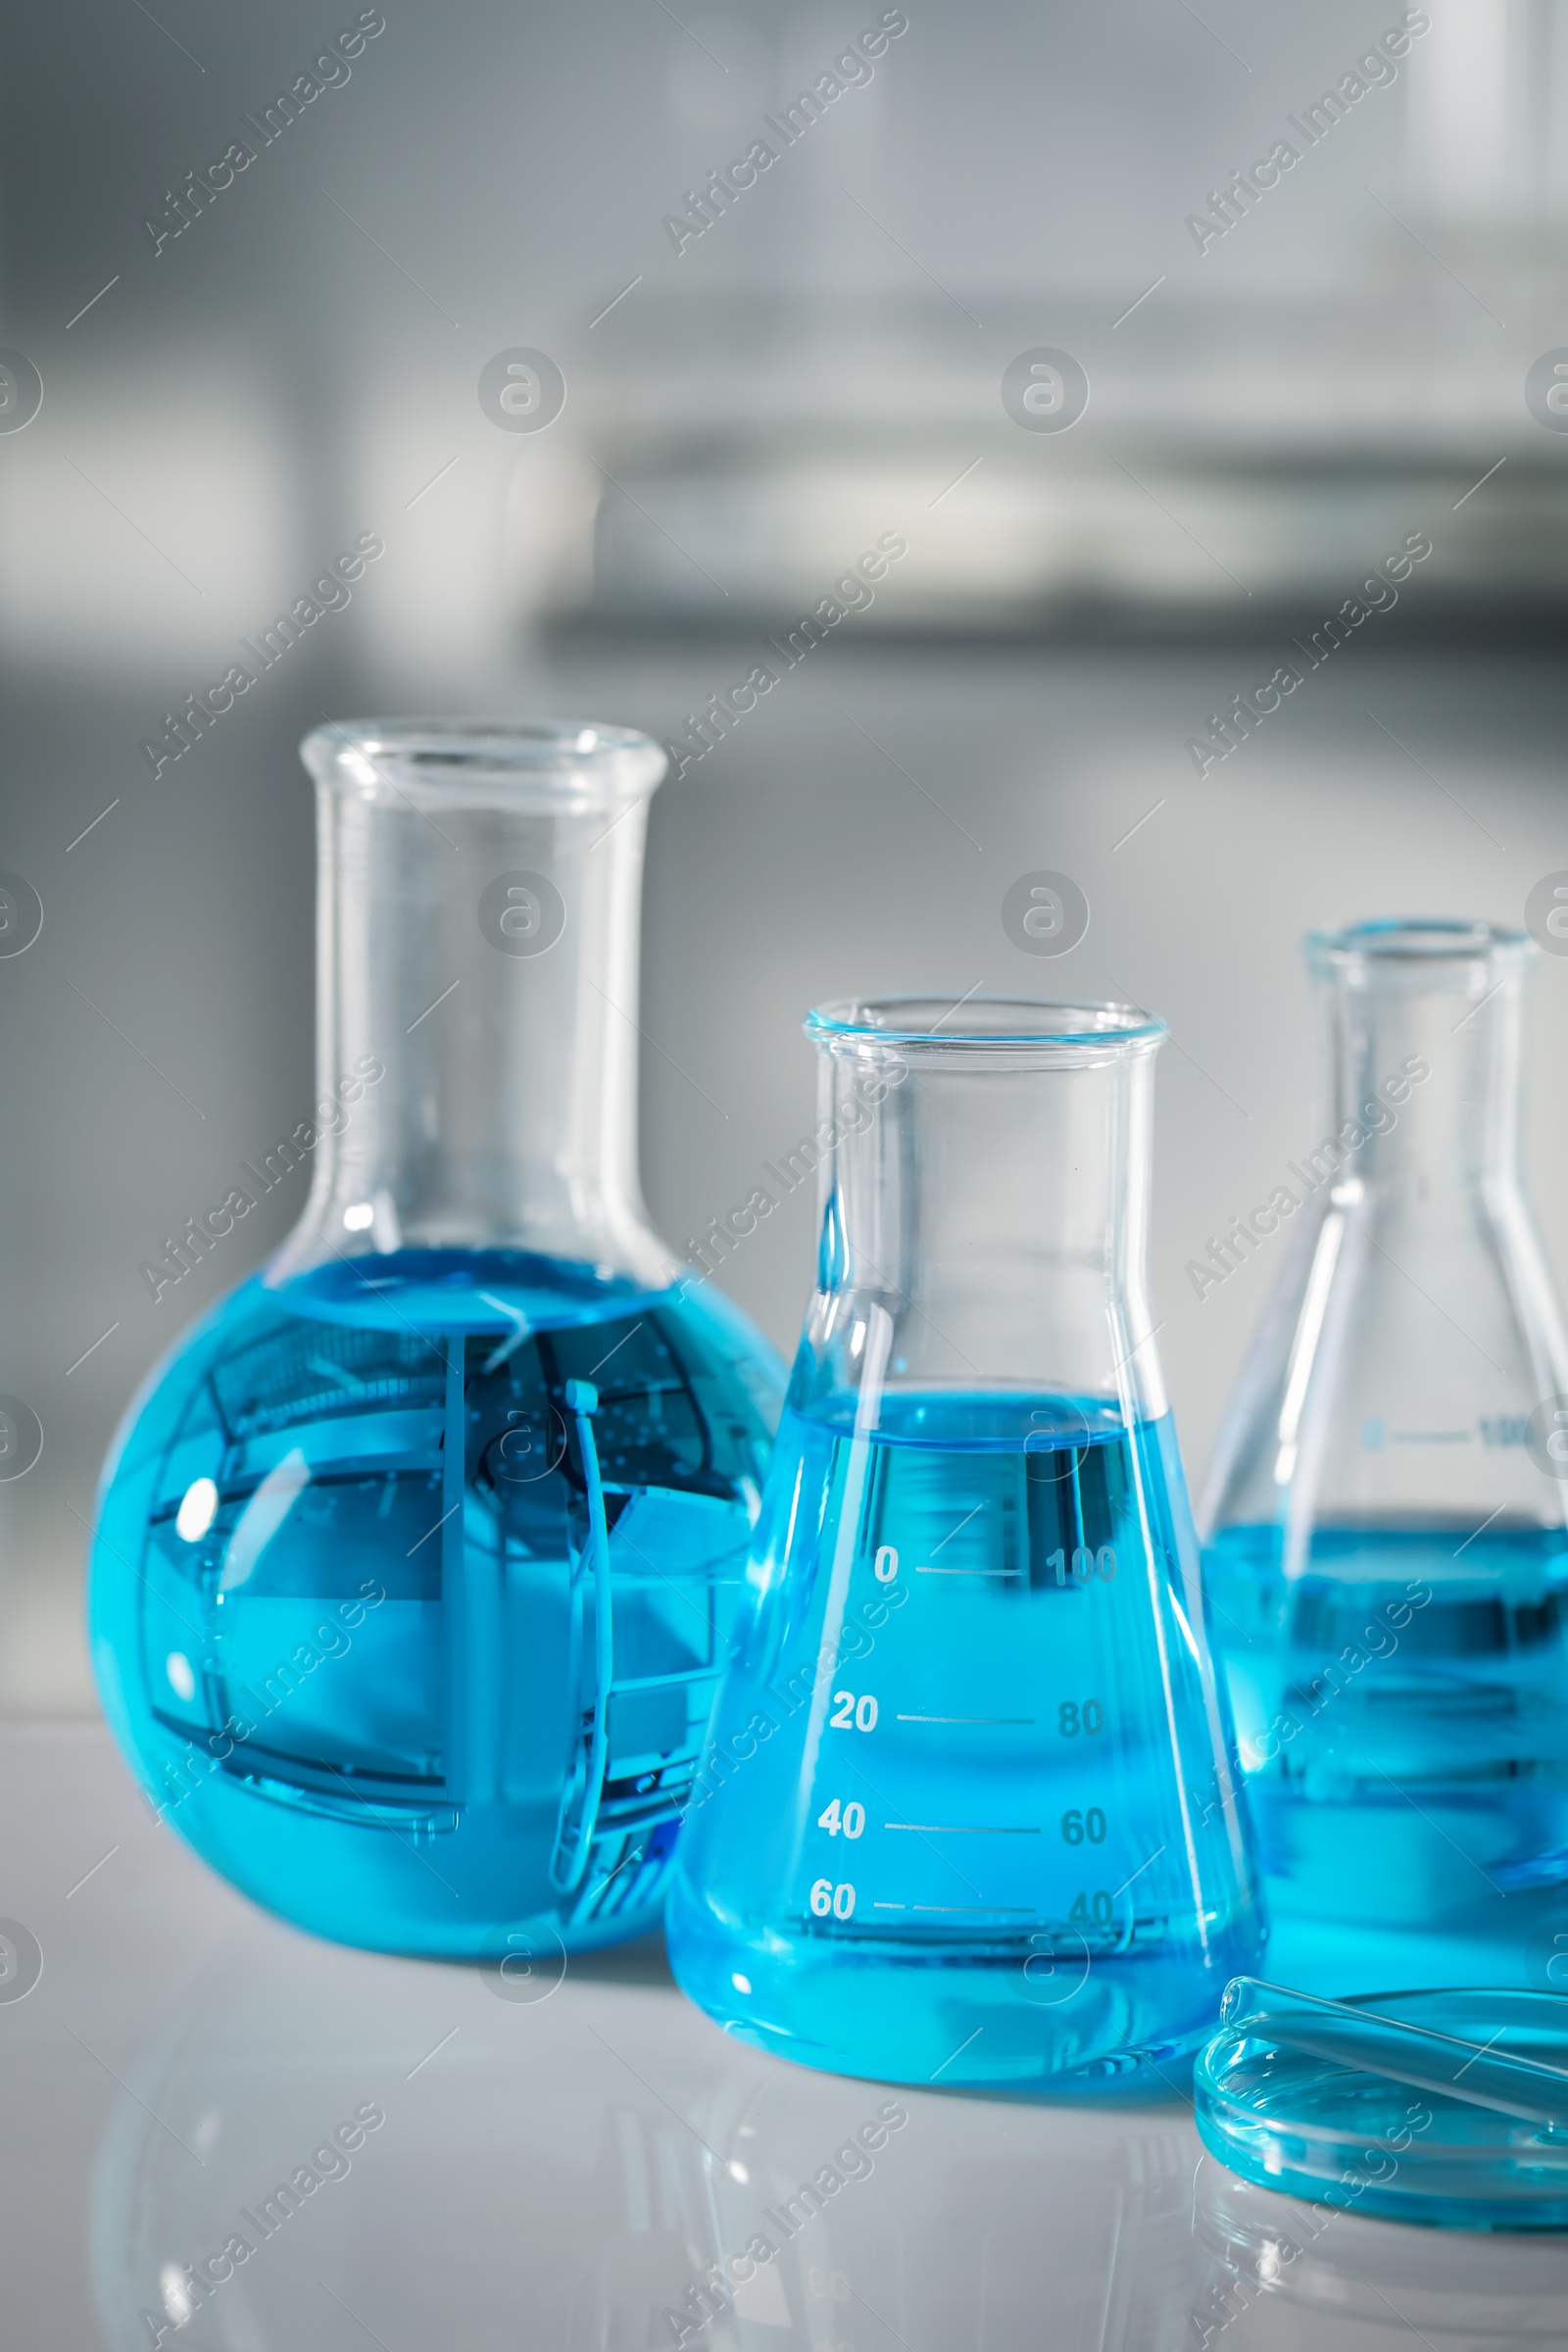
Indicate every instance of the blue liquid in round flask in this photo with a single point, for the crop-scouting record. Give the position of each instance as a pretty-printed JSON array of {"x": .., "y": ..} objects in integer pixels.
[
  {"x": 418, "y": 1559},
  {"x": 968, "y": 1811}
]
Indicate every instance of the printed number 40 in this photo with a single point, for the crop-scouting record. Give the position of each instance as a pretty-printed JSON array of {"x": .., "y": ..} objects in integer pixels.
[
  {"x": 851, "y": 1819},
  {"x": 852, "y": 1713}
]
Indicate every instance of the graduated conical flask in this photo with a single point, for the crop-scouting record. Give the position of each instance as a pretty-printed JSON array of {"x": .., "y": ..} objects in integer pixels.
[
  {"x": 1385, "y": 1546},
  {"x": 968, "y": 1808},
  {"x": 417, "y": 1559}
]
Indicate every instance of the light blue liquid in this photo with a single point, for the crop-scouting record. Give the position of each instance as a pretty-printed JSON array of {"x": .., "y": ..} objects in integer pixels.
[
  {"x": 966, "y": 1810},
  {"x": 357, "y": 1670},
  {"x": 1403, "y": 1712}
]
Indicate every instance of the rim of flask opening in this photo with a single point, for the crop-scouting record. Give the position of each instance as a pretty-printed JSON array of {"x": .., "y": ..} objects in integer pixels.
[
  {"x": 489, "y": 762},
  {"x": 935, "y": 1027},
  {"x": 1398, "y": 943}
]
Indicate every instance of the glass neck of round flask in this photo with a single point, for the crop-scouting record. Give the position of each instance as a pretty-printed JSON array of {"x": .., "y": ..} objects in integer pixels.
[
  {"x": 476, "y": 1017},
  {"x": 985, "y": 1207}
]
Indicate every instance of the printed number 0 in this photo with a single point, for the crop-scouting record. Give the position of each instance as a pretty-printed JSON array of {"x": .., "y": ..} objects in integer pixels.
[
  {"x": 849, "y": 1710},
  {"x": 886, "y": 1565},
  {"x": 826, "y": 1897}
]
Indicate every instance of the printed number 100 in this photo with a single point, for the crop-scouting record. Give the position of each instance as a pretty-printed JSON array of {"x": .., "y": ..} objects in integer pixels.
[{"x": 1085, "y": 1565}]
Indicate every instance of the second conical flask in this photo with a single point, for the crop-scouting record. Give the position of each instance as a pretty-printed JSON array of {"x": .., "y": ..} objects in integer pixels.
[
  {"x": 1386, "y": 1551},
  {"x": 967, "y": 1811}
]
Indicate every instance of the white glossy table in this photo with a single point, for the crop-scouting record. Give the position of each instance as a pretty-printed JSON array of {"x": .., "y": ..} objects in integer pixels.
[{"x": 563, "y": 2171}]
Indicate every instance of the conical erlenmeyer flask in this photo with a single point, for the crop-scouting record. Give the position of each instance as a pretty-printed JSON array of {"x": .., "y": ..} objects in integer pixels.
[
  {"x": 417, "y": 1560},
  {"x": 967, "y": 1810},
  {"x": 1385, "y": 1547}
]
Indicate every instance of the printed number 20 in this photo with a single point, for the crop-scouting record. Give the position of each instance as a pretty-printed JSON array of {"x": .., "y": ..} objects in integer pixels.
[{"x": 852, "y": 1713}]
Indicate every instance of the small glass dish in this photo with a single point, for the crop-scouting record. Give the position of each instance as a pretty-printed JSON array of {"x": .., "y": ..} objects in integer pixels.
[{"x": 1343, "y": 2104}]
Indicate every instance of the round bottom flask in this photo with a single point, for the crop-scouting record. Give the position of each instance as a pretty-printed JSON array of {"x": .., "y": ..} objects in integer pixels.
[{"x": 418, "y": 1559}]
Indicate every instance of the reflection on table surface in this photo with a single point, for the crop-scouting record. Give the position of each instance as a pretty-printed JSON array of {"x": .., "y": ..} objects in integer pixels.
[{"x": 267, "y": 2144}]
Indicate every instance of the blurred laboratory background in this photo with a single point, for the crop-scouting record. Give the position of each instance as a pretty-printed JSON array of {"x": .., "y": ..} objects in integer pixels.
[{"x": 1132, "y": 343}]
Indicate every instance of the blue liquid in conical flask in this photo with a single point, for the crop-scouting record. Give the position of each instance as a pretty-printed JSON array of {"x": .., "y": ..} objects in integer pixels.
[
  {"x": 965, "y": 1811},
  {"x": 343, "y": 1595},
  {"x": 1403, "y": 1711}
]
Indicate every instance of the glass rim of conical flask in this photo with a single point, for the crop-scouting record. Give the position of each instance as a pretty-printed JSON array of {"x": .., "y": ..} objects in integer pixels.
[
  {"x": 1407, "y": 941},
  {"x": 510, "y": 763},
  {"x": 931, "y": 1024}
]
